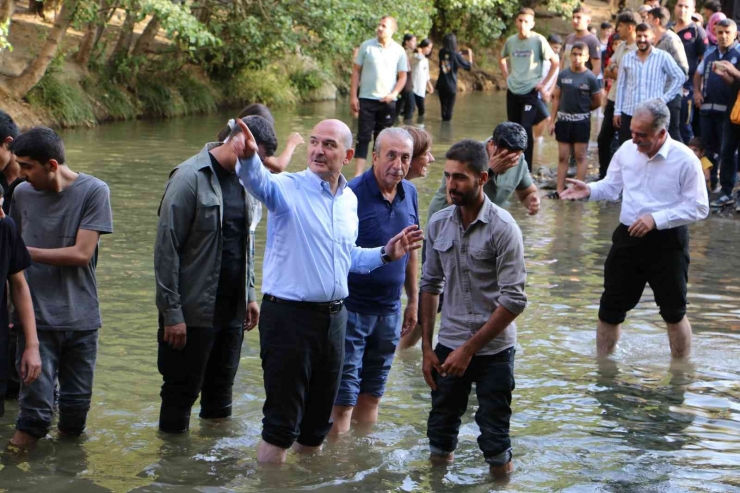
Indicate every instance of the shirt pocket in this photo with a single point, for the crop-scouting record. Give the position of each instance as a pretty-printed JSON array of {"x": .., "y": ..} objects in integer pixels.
[
  {"x": 208, "y": 213},
  {"x": 446, "y": 255}
]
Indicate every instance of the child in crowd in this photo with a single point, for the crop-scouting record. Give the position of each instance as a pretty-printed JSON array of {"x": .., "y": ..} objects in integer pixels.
[
  {"x": 577, "y": 92},
  {"x": 422, "y": 84},
  {"x": 697, "y": 146}
]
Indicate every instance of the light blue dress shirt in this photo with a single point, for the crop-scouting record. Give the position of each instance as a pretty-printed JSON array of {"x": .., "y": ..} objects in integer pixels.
[{"x": 311, "y": 234}]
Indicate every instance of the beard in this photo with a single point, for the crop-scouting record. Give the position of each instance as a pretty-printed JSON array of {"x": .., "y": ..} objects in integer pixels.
[{"x": 464, "y": 199}]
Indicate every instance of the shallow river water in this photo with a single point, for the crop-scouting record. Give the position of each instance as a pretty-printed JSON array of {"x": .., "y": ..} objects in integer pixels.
[{"x": 638, "y": 423}]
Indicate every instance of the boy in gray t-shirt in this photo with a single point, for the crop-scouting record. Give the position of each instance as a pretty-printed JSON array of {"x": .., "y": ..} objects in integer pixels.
[
  {"x": 576, "y": 93},
  {"x": 61, "y": 215}
]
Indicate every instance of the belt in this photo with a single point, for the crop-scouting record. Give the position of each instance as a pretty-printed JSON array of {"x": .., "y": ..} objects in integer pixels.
[
  {"x": 317, "y": 306},
  {"x": 572, "y": 117}
]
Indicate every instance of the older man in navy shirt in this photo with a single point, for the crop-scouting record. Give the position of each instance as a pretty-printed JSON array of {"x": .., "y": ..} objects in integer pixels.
[{"x": 386, "y": 205}]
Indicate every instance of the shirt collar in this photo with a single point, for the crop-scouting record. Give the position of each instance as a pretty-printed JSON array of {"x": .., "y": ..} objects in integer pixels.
[
  {"x": 483, "y": 214},
  {"x": 372, "y": 185},
  {"x": 664, "y": 149},
  {"x": 204, "y": 157},
  {"x": 324, "y": 185}
]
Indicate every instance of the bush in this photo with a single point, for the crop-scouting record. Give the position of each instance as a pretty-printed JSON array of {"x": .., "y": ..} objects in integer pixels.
[
  {"x": 197, "y": 96},
  {"x": 65, "y": 102},
  {"x": 158, "y": 99},
  {"x": 266, "y": 86},
  {"x": 116, "y": 102}
]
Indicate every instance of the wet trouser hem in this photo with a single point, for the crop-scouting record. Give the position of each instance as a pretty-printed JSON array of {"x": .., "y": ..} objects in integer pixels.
[
  {"x": 223, "y": 412},
  {"x": 500, "y": 459},
  {"x": 37, "y": 429}
]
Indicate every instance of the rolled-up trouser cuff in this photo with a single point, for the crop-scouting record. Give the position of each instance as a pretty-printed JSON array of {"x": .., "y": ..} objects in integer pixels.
[
  {"x": 72, "y": 422},
  {"x": 310, "y": 441},
  {"x": 438, "y": 451},
  {"x": 35, "y": 428},
  {"x": 215, "y": 413},
  {"x": 277, "y": 441},
  {"x": 500, "y": 459}
]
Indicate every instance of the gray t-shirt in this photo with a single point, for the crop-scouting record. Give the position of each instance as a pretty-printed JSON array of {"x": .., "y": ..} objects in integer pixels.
[
  {"x": 64, "y": 298},
  {"x": 526, "y": 58},
  {"x": 576, "y": 89},
  {"x": 380, "y": 67}
]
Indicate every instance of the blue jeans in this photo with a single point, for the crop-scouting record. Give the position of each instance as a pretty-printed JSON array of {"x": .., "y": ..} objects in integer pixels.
[
  {"x": 70, "y": 357},
  {"x": 369, "y": 346},
  {"x": 494, "y": 381},
  {"x": 728, "y": 161}
]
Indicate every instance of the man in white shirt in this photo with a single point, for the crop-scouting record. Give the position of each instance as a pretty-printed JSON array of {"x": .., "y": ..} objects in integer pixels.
[{"x": 663, "y": 191}]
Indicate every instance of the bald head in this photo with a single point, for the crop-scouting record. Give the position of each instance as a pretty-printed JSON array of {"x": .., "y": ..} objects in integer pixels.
[{"x": 329, "y": 147}]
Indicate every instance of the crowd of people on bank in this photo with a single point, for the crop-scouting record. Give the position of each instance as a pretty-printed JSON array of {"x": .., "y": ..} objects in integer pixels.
[{"x": 340, "y": 253}]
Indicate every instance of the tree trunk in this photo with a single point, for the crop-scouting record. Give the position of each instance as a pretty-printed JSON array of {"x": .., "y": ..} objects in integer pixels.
[
  {"x": 7, "y": 7},
  {"x": 126, "y": 36},
  {"x": 20, "y": 85},
  {"x": 92, "y": 35},
  {"x": 146, "y": 38}
]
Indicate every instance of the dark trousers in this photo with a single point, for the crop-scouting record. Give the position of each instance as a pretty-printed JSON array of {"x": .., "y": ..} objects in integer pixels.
[
  {"x": 446, "y": 103},
  {"x": 494, "y": 382},
  {"x": 687, "y": 115},
  {"x": 374, "y": 117},
  {"x": 68, "y": 356},
  {"x": 625, "y": 133},
  {"x": 674, "y": 106},
  {"x": 728, "y": 161},
  {"x": 421, "y": 108},
  {"x": 207, "y": 366},
  {"x": 606, "y": 139},
  {"x": 712, "y": 128},
  {"x": 660, "y": 258},
  {"x": 405, "y": 104},
  {"x": 523, "y": 109},
  {"x": 302, "y": 353}
]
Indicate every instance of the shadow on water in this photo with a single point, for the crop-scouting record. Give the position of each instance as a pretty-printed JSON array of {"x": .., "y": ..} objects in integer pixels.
[{"x": 634, "y": 424}]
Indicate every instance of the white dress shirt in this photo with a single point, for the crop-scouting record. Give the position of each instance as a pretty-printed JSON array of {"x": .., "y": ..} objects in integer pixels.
[{"x": 670, "y": 185}]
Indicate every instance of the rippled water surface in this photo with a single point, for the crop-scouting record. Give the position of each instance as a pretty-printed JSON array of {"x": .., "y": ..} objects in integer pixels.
[{"x": 638, "y": 423}]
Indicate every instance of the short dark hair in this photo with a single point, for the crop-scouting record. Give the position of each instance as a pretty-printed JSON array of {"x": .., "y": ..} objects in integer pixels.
[
  {"x": 697, "y": 142},
  {"x": 662, "y": 14},
  {"x": 41, "y": 144},
  {"x": 8, "y": 128},
  {"x": 554, "y": 38},
  {"x": 713, "y": 5},
  {"x": 606, "y": 25},
  {"x": 470, "y": 152},
  {"x": 726, "y": 23},
  {"x": 581, "y": 9},
  {"x": 642, "y": 27},
  {"x": 525, "y": 11},
  {"x": 629, "y": 18},
  {"x": 263, "y": 132},
  {"x": 259, "y": 110},
  {"x": 510, "y": 136},
  {"x": 581, "y": 46}
]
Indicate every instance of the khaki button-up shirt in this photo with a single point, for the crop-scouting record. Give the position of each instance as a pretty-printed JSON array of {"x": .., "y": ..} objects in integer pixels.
[{"x": 478, "y": 268}]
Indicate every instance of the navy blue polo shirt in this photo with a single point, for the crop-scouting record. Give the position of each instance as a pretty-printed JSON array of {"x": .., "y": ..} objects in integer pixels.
[
  {"x": 716, "y": 91},
  {"x": 379, "y": 292}
]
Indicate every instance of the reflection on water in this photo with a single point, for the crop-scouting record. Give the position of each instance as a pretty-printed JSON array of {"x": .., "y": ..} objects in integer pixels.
[{"x": 636, "y": 423}]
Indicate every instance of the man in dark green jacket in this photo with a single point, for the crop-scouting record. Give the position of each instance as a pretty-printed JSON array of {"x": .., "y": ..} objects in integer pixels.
[{"x": 205, "y": 279}]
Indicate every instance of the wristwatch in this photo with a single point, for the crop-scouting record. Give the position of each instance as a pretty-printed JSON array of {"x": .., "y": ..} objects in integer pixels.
[{"x": 385, "y": 257}]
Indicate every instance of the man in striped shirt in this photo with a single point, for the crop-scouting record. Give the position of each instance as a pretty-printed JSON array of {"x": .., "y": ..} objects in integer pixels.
[{"x": 644, "y": 75}]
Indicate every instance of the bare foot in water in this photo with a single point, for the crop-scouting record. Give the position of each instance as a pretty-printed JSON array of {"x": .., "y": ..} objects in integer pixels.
[{"x": 23, "y": 440}]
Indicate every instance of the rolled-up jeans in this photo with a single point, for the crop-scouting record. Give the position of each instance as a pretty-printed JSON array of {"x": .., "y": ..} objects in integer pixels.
[
  {"x": 69, "y": 356},
  {"x": 493, "y": 376}
]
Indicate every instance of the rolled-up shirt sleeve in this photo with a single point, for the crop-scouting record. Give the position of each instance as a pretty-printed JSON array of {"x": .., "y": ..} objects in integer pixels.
[
  {"x": 510, "y": 269},
  {"x": 694, "y": 205},
  {"x": 432, "y": 275}
]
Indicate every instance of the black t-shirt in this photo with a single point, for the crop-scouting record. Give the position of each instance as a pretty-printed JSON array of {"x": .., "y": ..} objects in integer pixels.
[
  {"x": 695, "y": 42},
  {"x": 234, "y": 231},
  {"x": 449, "y": 63},
  {"x": 8, "y": 190},
  {"x": 14, "y": 257}
]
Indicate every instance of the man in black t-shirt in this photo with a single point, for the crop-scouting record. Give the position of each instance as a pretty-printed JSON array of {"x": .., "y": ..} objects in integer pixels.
[{"x": 14, "y": 259}]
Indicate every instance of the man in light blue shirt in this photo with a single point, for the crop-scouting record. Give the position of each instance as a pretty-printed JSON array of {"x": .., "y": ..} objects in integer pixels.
[{"x": 310, "y": 250}]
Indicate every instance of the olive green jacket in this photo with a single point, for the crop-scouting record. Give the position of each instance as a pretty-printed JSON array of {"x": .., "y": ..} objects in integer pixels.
[{"x": 187, "y": 252}]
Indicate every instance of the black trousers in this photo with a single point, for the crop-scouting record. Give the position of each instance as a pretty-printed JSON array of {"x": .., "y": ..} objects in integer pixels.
[
  {"x": 660, "y": 258},
  {"x": 523, "y": 109},
  {"x": 446, "y": 103},
  {"x": 421, "y": 109},
  {"x": 207, "y": 366},
  {"x": 405, "y": 104},
  {"x": 302, "y": 353},
  {"x": 374, "y": 117},
  {"x": 625, "y": 133},
  {"x": 606, "y": 139},
  {"x": 674, "y": 106}
]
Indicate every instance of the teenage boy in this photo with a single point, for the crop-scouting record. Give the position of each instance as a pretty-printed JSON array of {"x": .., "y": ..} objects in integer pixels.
[
  {"x": 61, "y": 215},
  {"x": 526, "y": 53},
  {"x": 14, "y": 259},
  {"x": 577, "y": 92}
]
